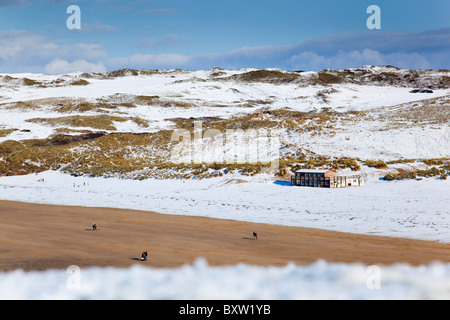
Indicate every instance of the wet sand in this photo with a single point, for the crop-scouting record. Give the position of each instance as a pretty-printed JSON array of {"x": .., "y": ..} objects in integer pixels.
[{"x": 40, "y": 237}]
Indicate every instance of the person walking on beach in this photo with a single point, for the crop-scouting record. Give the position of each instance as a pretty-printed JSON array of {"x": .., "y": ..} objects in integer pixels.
[
  {"x": 144, "y": 256},
  {"x": 94, "y": 227}
]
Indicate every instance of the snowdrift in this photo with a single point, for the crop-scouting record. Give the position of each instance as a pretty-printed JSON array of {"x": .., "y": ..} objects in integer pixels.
[{"x": 200, "y": 281}]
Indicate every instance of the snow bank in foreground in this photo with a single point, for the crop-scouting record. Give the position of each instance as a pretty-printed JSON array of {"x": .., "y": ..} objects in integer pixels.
[{"x": 200, "y": 281}]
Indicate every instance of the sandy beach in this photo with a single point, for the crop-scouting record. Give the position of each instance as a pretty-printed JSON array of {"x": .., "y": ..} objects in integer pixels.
[{"x": 41, "y": 237}]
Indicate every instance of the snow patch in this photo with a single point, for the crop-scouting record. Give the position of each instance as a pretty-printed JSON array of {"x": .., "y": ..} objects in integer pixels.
[{"x": 200, "y": 281}]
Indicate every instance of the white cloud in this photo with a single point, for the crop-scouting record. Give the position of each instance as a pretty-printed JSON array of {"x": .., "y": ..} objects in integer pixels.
[
  {"x": 22, "y": 51},
  {"x": 265, "y": 57},
  {"x": 425, "y": 50},
  {"x": 59, "y": 66},
  {"x": 342, "y": 60}
]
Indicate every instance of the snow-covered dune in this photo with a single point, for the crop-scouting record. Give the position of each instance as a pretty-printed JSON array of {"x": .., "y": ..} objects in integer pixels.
[
  {"x": 223, "y": 90},
  {"x": 363, "y": 113},
  {"x": 395, "y": 124}
]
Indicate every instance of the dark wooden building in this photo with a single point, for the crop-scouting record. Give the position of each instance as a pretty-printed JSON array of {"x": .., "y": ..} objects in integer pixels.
[{"x": 323, "y": 179}]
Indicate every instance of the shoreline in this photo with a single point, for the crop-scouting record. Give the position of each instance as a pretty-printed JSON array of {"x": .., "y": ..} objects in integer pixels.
[{"x": 41, "y": 237}]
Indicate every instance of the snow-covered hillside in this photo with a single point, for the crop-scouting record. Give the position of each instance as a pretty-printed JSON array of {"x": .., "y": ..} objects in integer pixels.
[
  {"x": 105, "y": 140},
  {"x": 209, "y": 93},
  {"x": 364, "y": 121}
]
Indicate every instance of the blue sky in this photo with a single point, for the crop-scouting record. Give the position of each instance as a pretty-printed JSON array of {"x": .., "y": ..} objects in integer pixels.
[{"x": 201, "y": 34}]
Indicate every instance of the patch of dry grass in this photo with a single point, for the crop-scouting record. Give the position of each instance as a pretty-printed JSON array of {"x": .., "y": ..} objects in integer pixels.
[
  {"x": 94, "y": 154},
  {"x": 157, "y": 101},
  {"x": 436, "y": 110},
  {"x": 442, "y": 172},
  {"x": 80, "y": 82},
  {"x": 100, "y": 122},
  {"x": 272, "y": 76},
  {"x": 379, "y": 164},
  {"x": 30, "y": 82},
  {"x": 6, "y": 132},
  {"x": 20, "y": 105}
]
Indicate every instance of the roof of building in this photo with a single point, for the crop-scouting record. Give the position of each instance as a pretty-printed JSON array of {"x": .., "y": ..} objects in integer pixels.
[{"x": 313, "y": 171}]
